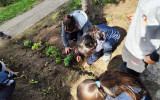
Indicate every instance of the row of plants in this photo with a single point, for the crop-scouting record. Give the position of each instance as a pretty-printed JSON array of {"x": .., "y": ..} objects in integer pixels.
[{"x": 51, "y": 51}]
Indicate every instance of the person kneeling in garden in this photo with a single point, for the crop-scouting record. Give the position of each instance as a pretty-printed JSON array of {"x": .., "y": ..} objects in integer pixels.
[
  {"x": 98, "y": 41},
  {"x": 73, "y": 27}
]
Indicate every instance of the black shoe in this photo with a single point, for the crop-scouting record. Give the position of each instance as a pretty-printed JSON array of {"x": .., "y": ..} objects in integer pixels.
[
  {"x": 2, "y": 35},
  {"x": 127, "y": 70}
]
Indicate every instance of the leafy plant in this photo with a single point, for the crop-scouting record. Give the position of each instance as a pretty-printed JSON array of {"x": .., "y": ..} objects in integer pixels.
[
  {"x": 45, "y": 92},
  {"x": 33, "y": 81},
  {"x": 67, "y": 60},
  {"x": 27, "y": 43},
  {"x": 36, "y": 45},
  {"x": 52, "y": 51},
  {"x": 58, "y": 59}
]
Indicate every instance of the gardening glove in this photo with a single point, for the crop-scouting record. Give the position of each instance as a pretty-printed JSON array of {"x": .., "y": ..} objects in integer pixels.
[
  {"x": 67, "y": 49},
  {"x": 79, "y": 58},
  {"x": 86, "y": 65}
]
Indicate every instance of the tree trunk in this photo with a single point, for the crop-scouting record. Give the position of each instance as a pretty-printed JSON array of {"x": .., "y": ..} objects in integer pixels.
[{"x": 87, "y": 6}]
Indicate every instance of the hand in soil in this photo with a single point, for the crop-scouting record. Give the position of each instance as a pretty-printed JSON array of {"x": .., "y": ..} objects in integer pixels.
[
  {"x": 86, "y": 65},
  {"x": 67, "y": 49},
  {"x": 79, "y": 58},
  {"x": 76, "y": 50}
]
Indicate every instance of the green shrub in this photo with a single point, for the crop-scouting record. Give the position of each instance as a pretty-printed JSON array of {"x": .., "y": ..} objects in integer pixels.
[
  {"x": 27, "y": 43},
  {"x": 52, "y": 51},
  {"x": 67, "y": 60},
  {"x": 58, "y": 59},
  {"x": 37, "y": 45}
]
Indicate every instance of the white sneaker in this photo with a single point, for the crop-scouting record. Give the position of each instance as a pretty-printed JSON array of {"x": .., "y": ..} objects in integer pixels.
[{"x": 106, "y": 58}]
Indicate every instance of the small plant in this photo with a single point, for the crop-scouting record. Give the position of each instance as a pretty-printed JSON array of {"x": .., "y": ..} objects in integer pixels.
[
  {"x": 123, "y": 16},
  {"x": 36, "y": 45},
  {"x": 52, "y": 51},
  {"x": 45, "y": 92},
  {"x": 33, "y": 81},
  {"x": 67, "y": 60},
  {"x": 27, "y": 43},
  {"x": 58, "y": 59}
]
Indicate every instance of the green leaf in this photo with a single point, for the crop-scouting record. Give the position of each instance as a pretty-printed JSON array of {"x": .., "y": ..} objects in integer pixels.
[
  {"x": 123, "y": 16},
  {"x": 43, "y": 90},
  {"x": 58, "y": 60},
  {"x": 49, "y": 88},
  {"x": 27, "y": 43}
]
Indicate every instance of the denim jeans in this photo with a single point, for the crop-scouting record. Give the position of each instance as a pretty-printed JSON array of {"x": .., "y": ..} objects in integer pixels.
[{"x": 107, "y": 46}]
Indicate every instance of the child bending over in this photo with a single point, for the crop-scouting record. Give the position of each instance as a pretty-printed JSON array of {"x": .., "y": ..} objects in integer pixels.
[
  {"x": 98, "y": 41},
  {"x": 73, "y": 27}
]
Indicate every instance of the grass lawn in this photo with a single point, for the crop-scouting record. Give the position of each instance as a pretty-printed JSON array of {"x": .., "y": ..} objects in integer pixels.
[{"x": 15, "y": 9}]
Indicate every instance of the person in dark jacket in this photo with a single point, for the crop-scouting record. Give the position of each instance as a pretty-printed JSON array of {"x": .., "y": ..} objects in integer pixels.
[{"x": 98, "y": 41}]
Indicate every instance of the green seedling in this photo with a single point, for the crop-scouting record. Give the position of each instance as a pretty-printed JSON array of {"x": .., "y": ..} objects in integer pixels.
[
  {"x": 123, "y": 16},
  {"x": 27, "y": 43},
  {"x": 45, "y": 92},
  {"x": 37, "y": 45},
  {"x": 58, "y": 60},
  {"x": 67, "y": 60},
  {"x": 52, "y": 51},
  {"x": 33, "y": 81},
  {"x": 23, "y": 75}
]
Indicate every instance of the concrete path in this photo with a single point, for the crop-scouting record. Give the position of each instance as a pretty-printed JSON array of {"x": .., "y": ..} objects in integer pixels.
[{"x": 29, "y": 18}]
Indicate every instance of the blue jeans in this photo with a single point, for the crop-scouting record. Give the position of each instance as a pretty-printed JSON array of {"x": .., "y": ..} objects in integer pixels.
[
  {"x": 6, "y": 92},
  {"x": 108, "y": 45}
]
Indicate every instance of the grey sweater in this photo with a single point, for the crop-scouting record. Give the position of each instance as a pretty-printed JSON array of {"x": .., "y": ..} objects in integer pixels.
[
  {"x": 83, "y": 24},
  {"x": 143, "y": 36}
]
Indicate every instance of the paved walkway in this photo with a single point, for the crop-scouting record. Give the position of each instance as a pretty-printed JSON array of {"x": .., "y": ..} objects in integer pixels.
[{"x": 29, "y": 18}]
